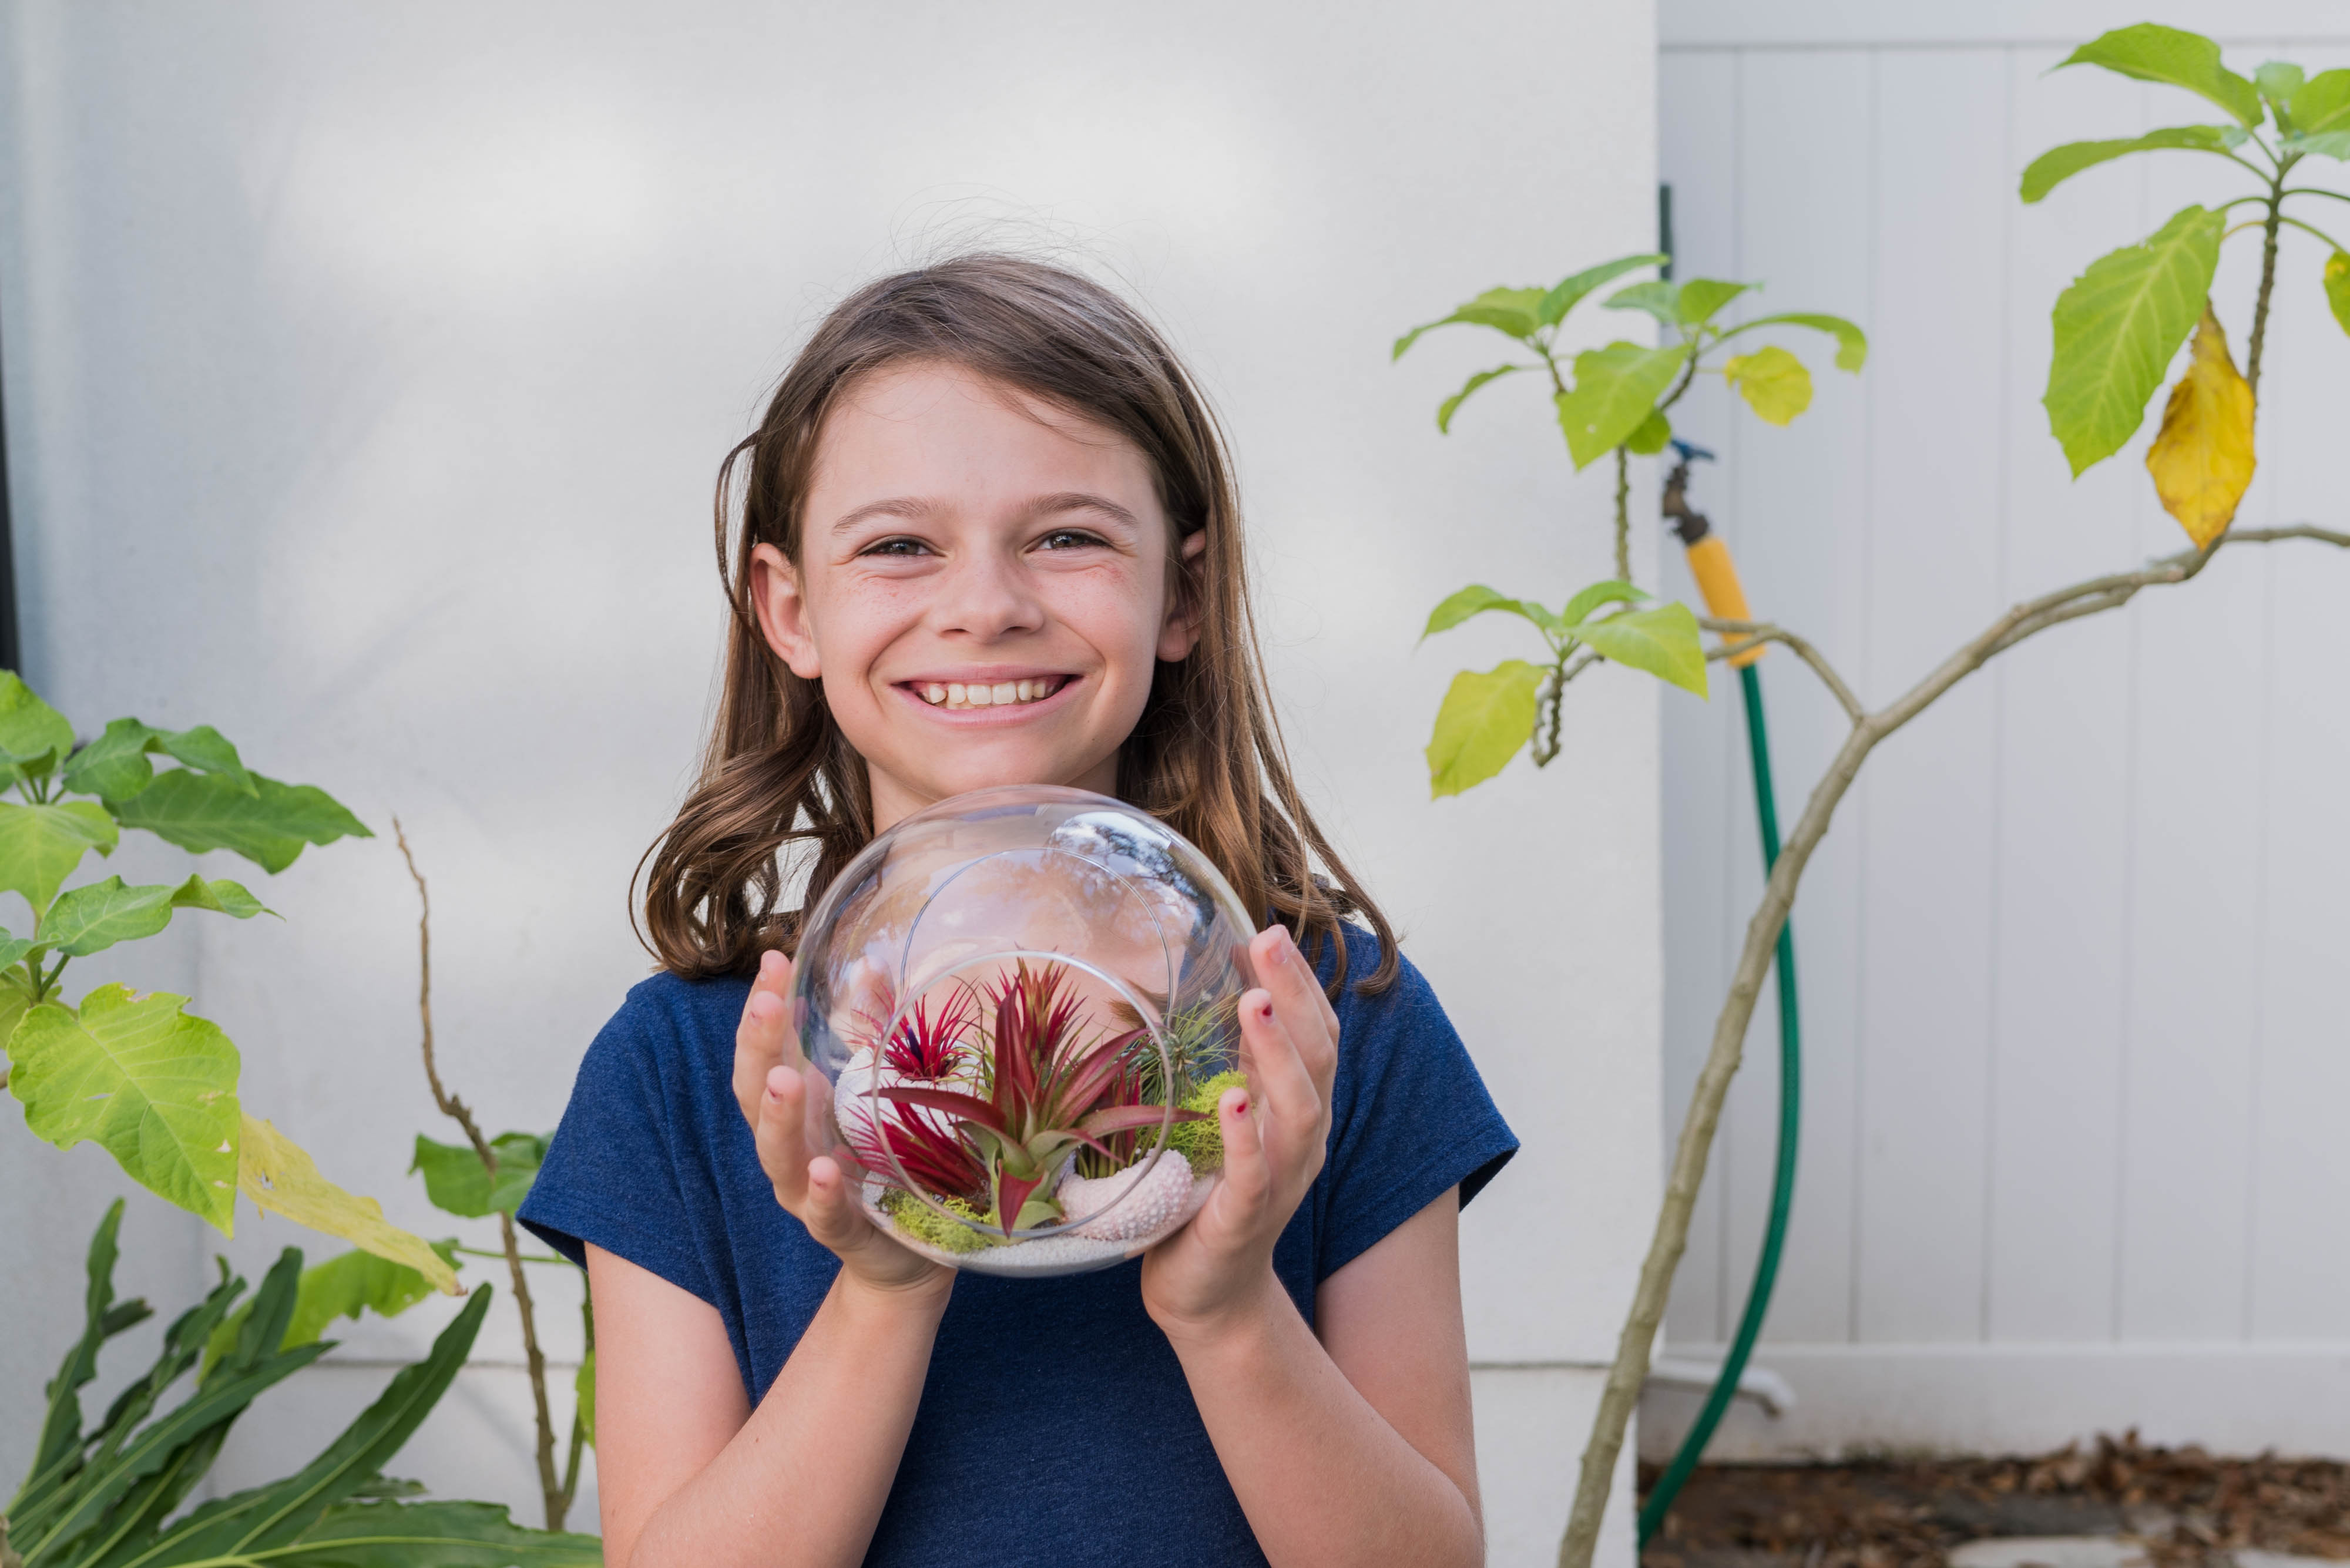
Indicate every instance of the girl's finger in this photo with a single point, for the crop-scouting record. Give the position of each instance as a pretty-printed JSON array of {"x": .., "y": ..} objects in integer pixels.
[
  {"x": 1277, "y": 1073},
  {"x": 761, "y": 1038},
  {"x": 829, "y": 1214},
  {"x": 776, "y": 1128},
  {"x": 1298, "y": 999},
  {"x": 1246, "y": 1185}
]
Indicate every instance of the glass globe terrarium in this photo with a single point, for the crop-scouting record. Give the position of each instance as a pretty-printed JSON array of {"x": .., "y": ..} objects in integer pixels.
[{"x": 1023, "y": 1005}]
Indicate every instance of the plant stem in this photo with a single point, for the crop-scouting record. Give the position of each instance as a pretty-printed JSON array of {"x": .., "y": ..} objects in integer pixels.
[
  {"x": 557, "y": 1503},
  {"x": 1623, "y": 516},
  {"x": 2267, "y": 286},
  {"x": 579, "y": 1427},
  {"x": 1630, "y": 1369}
]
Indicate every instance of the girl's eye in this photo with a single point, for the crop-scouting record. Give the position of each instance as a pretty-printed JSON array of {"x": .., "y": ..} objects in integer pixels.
[
  {"x": 1068, "y": 539},
  {"x": 895, "y": 547}
]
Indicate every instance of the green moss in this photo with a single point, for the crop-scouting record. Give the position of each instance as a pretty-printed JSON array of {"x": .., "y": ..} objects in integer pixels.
[
  {"x": 1203, "y": 1142},
  {"x": 924, "y": 1223}
]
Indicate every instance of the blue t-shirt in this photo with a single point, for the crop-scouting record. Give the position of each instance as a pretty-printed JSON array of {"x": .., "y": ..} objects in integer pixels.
[{"x": 1055, "y": 1426}]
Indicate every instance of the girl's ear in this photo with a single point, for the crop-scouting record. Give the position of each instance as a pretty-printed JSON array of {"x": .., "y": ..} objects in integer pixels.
[
  {"x": 1179, "y": 634},
  {"x": 783, "y": 611}
]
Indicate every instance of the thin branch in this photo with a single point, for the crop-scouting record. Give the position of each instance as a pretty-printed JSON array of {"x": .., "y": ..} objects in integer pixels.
[
  {"x": 450, "y": 1105},
  {"x": 1694, "y": 1147},
  {"x": 1754, "y": 633},
  {"x": 551, "y": 1492}
]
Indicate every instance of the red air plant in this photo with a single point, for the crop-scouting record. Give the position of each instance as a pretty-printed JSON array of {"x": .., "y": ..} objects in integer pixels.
[
  {"x": 927, "y": 1047},
  {"x": 926, "y": 1149},
  {"x": 1049, "y": 1093}
]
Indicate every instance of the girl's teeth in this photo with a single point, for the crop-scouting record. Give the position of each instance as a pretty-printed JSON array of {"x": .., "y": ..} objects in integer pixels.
[{"x": 953, "y": 694}]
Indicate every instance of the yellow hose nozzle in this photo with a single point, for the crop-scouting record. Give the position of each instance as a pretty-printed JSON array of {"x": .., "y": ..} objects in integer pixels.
[{"x": 1725, "y": 599}]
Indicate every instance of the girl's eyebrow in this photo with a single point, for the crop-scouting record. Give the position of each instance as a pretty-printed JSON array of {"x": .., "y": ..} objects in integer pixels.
[{"x": 916, "y": 507}]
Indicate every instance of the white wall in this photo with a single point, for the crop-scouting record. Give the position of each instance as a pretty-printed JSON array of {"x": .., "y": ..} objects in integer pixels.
[
  {"x": 367, "y": 370},
  {"x": 2072, "y": 1156}
]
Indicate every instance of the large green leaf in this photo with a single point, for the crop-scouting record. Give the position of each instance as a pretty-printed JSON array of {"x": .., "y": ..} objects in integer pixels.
[
  {"x": 2151, "y": 52},
  {"x": 2324, "y": 143},
  {"x": 114, "y": 767},
  {"x": 1476, "y": 600},
  {"x": 2323, "y": 103},
  {"x": 155, "y": 1086},
  {"x": 267, "y": 1518},
  {"x": 444, "y": 1534},
  {"x": 1612, "y": 591},
  {"x": 1663, "y": 641},
  {"x": 91, "y": 919},
  {"x": 2277, "y": 81},
  {"x": 1773, "y": 381},
  {"x": 32, "y": 735},
  {"x": 344, "y": 1285},
  {"x": 1852, "y": 343},
  {"x": 1446, "y": 409},
  {"x": 41, "y": 844},
  {"x": 1690, "y": 304},
  {"x": 1614, "y": 389},
  {"x": 1572, "y": 289},
  {"x": 1651, "y": 436},
  {"x": 2058, "y": 164},
  {"x": 203, "y": 811},
  {"x": 2336, "y": 279},
  {"x": 1484, "y": 720},
  {"x": 1515, "y": 311},
  {"x": 2117, "y": 329},
  {"x": 457, "y": 1184}
]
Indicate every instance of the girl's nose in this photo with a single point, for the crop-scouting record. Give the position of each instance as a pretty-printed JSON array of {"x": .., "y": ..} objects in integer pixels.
[{"x": 987, "y": 595}]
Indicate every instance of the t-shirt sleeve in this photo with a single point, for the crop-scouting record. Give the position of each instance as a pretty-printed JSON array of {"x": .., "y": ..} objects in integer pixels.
[
  {"x": 610, "y": 1175},
  {"x": 1411, "y": 1116}
]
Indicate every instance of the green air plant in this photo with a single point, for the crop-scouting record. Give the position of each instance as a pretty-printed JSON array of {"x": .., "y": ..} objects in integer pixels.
[
  {"x": 152, "y": 1084},
  {"x": 2116, "y": 330},
  {"x": 1615, "y": 401},
  {"x": 111, "y": 1497},
  {"x": 1048, "y": 1090}
]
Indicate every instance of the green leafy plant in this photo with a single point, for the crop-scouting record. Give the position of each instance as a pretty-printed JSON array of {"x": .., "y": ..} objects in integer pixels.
[
  {"x": 152, "y": 1084},
  {"x": 1615, "y": 401},
  {"x": 2121, "y": 323},
  {"x": 485, "y": 1176},
  {"x": 109, "y": 1497},
  {"x": 2115, "y": 330},
  {"x": 1046, "y": 1092}
]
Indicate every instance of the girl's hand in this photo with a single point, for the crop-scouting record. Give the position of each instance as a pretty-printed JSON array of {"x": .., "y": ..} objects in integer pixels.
[
  {"x": 774, "y": 1085},
  {"x": 1276, "y": 1131}
]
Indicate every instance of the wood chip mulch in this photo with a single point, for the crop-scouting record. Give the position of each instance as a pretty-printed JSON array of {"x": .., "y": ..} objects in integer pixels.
[{"x": 2189, "y": 1507}]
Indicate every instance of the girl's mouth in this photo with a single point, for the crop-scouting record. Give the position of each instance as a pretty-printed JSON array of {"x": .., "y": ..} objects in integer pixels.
[{"x": 957, "y": 696}]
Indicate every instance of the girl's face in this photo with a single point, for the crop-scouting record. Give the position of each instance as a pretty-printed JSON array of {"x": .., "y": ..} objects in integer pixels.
[{"x": 985, "y": 587}]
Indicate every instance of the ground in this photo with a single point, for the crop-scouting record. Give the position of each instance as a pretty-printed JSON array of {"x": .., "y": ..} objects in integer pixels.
[{"x": 2110, "y": 1504}]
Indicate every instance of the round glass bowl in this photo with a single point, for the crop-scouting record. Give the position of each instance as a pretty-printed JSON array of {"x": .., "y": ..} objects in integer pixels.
[{"x": 1023, "y": 1005}]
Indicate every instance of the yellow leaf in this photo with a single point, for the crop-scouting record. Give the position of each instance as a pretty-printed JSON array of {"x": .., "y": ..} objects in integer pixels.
[
  {"x": 277, "y": 1176},
  {"x": 2202, "y": 459},
  {"x": 1773, "y": 381}
]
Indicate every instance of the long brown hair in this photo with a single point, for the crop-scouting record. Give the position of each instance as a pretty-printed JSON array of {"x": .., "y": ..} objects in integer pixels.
[{"x": 1206, "y": 757}]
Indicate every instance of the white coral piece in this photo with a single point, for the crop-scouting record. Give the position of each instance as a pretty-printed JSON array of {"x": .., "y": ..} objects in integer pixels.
[{"x": 1154, "y": 1199}]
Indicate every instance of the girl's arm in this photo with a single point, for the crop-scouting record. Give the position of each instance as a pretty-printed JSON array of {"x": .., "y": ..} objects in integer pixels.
[
  {"x": 1355, "y": 1447},
  {"x": 687, "y": 1474}
]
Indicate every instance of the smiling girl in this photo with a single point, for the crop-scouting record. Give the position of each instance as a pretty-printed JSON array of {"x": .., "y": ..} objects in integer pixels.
[{"x": 986, "y": 534}]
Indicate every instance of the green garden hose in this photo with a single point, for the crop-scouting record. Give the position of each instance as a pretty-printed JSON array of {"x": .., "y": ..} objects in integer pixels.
[{"x": 1717, "y": 581}]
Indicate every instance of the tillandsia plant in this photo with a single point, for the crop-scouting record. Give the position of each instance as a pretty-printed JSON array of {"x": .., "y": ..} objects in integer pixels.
[
  {"x": 491, "y": 1176},
  {"x": 2116, "y": 330},
  {"x": 1612, "y": 400},
  {"x": 111, "y": 1497},
  {"x": 1048, "y": 1089},
  {"x": 152, "y": 1084}
]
